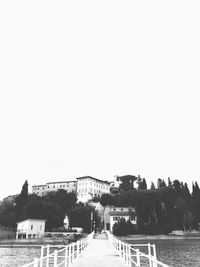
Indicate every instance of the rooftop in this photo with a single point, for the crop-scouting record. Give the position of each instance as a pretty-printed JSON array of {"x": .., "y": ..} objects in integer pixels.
[
  {"x": 62, "y": 182},
  {"x": 90, "y": 177},
  {"x": 32, "y": 220}
]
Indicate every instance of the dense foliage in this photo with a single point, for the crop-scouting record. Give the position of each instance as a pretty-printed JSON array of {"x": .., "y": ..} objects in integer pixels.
[
  {"x": 53, "y": 207},
  {"x": 159, "y": 210},
  {"x": 124, "y": 227},
  {"x": 80, "y": 216}
]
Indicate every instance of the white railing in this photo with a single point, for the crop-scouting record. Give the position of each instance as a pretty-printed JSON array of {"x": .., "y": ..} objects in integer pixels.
[
  {"x": 132, "y": 256},
  {"x": 60, "y": 257}
]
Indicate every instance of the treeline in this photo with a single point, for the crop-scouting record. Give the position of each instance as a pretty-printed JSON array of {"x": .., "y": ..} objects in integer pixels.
[
  {"x": 53, "y": 207},
  {"x": 161, "y": 209}
]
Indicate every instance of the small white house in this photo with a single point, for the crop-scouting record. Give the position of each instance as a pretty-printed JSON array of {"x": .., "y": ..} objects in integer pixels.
[
  {"x": 30, "y": 228},
  {"x": 116, "y": 213}
]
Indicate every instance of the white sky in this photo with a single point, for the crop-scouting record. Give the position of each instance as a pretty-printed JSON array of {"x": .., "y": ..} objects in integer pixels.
[{"x": 98, "y": 88}]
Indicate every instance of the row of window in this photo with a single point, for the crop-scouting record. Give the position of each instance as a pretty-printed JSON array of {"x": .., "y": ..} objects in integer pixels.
[
  {"x": 61, "y": 186},
  {"x": 82, "y": 190},
  {"x": 114, "y": 209},
  {"x": 117, "y": 218},
  {"x": 95, "y": 184}
]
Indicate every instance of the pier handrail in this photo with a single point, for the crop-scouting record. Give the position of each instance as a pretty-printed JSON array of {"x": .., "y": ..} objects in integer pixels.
[
  {"x": 62, "y": 257},
  {"x": 131, "y": 255}
]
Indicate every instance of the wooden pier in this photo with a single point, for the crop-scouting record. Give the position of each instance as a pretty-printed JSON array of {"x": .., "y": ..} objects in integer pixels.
[{"x": 102, "y": 250}]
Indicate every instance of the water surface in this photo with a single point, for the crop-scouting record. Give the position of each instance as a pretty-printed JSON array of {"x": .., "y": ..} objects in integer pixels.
[{"x": 176, "y": 253}]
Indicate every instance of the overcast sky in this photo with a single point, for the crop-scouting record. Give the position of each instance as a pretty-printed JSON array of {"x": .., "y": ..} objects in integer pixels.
[{"x": 98, "y": 88}]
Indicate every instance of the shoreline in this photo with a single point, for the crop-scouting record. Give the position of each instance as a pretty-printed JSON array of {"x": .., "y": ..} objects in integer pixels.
[{"x": 157, "y": 237}]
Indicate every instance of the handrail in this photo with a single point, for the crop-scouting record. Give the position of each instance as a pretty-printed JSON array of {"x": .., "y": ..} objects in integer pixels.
[
  {"x": 134, "y": 257},
  {"x": 62, "y": 257}
]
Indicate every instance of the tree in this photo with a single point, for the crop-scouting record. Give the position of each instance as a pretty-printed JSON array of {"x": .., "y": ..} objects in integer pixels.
[
  {"x": 152, "y": 186},
  {"x": 62, "y": 198},
  {"x": 142, "y": 185},
  {"x": 24, "y": 192},
  {"x": 177, "y": 186},
  {"x": 107, "y": 200},
  {"x": 80, "y": 216},
  {"x": 169, "y": 182},
  {"x": 48, "y": 211},
  {"x": 127, "y": 182},
  {"x": 21, "y": 199},
  {"x": 160, "y": 183}
]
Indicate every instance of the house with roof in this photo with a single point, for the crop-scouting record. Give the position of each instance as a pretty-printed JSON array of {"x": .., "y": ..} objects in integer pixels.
[
  {"x": 113, "y": 215},
  {"x": 30, "y": 228}
]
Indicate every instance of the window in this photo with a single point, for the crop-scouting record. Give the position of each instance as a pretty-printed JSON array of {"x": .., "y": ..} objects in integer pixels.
[
  {"x": 114, "y": 209},
  {"x": 115, "y": 219},
  {"x": 40, "y": 227},
  {"x": 121, "y": 209},
  {"x": 31, "y": 227}
]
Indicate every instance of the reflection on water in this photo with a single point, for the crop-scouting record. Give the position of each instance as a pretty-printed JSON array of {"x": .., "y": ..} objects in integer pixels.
[{"x": 176, "y": 253}]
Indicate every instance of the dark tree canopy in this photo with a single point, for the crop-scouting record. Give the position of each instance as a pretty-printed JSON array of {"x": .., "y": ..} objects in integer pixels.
[
  {"x": 127, "y": 182},
  {"x": 80, "y": 216}
]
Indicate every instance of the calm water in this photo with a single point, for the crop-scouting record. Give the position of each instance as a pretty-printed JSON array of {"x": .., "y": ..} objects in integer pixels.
[
  {"x": 17, "y": 256},
  {"x": 175, "y": 253}
]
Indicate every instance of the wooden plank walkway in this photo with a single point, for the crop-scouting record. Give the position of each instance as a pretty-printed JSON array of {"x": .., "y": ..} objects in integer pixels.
[{"x": 99, "y": 253}]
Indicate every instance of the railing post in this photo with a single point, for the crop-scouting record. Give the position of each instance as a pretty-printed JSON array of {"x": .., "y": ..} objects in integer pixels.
[
  {"x": 73, "y": 251},
  {"x": 71, "y": 255},
  {"x": 35, "y": 262},
  {"x": 66, "y": 258},
  {"x": 77, "y": 248},
  {"x": 124, "y": 254},
  {"x": 80, "y": 246},
  {"x": 55, "y": 258},
  {"x": 42, "y": 255},
  {"x": 125, "y": 246},
  {"x": 47, "y": 261},
  {"x": 149, "y": 254},
  {"x": 129, "y": 255},
  {"x": 154, "y": 256},
  {"x": 120, "y": 249},
  {"x": 138, "y": 257}
]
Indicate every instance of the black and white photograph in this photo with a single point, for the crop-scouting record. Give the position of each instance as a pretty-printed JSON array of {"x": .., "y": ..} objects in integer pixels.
[{"x": 99, "y": 133}]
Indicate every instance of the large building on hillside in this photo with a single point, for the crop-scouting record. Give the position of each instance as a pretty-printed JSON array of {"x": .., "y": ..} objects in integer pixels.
[
  {"x": 89, "y": 187},
  {"x": 41, "y": 190},
  {"x": 86, "y": 187}
]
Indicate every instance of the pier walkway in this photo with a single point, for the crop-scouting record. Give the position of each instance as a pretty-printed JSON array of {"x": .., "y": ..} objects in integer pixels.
[
  {"x": 99, "y": 253},
  {"x": 98, "y": 250}
]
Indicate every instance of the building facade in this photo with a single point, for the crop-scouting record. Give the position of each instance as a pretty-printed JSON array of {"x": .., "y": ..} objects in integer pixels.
[
  {"x": 113, "y": 215},
  {"x": 86, "y": 187},
  {"x": 89, "y": 187},
  {"x": 30, "y": 228},
  {"x": 41, "y": 190}
]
